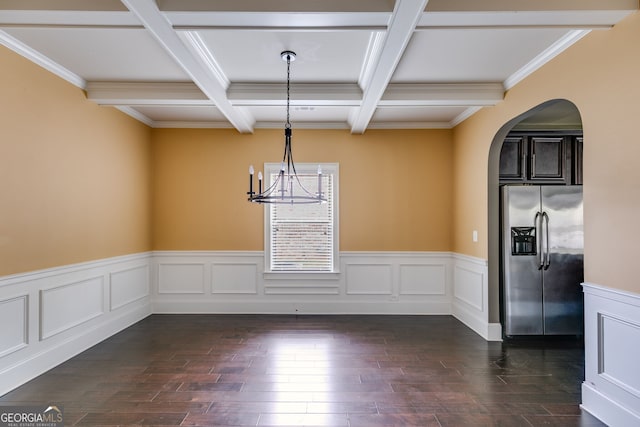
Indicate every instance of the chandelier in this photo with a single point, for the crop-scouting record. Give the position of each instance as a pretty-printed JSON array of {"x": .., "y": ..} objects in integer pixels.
[{"x": 287, "y": 186}]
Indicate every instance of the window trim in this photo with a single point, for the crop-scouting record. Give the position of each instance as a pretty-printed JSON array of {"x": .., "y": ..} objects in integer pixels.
[{"x": 332, "y": 168}]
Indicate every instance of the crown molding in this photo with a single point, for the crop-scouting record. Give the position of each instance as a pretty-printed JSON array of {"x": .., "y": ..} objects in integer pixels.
[
  {"x": 464, "y": 116},
  {"x": 547, "y": 55},
  {"x": 136, "y": 115},
  {"x": 36, "y": 57}
]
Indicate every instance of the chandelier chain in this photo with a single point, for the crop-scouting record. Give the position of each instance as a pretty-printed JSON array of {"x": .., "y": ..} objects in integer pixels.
[{"x": 288, "y": 124}]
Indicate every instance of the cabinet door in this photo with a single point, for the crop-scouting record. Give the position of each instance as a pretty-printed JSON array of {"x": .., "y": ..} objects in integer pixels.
[
  {"x": 512, "y": 163},
  {"x": 577, "y": 161},
  {"x": 548, "y": 159}
]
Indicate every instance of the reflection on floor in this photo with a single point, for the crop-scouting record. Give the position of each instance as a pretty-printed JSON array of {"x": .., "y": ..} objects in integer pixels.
[{"x": 275, "y": 370}]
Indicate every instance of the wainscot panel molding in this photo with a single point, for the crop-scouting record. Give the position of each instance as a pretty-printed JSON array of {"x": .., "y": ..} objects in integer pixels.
[
  {"x": 611, "y": 389},
  {"x": 49, "y": 316},
  {"x": 367, "y": 283},
  {"x": 471, "y": 296}
]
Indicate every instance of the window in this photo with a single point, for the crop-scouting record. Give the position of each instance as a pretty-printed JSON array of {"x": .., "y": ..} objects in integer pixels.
[{"x": 303, "y": 237}]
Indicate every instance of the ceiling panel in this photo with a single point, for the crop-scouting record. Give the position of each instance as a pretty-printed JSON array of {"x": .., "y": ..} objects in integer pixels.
[
  {"x": 471, "y": 55},
  {"x": 101, "y": 54},
  {"x": 254, "y": 56}
]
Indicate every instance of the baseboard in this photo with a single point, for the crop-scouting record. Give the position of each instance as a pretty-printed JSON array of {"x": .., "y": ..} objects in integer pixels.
[
  {"x": 299, "y": 307},
  {"x": 488, "y": 331},
  {"x": 607, "y": 410}
]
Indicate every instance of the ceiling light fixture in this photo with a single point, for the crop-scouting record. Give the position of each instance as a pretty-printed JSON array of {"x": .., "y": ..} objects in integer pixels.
[{"x": 287, "y": 186}]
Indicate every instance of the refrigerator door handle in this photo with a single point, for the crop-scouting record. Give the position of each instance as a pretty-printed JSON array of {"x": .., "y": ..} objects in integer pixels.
[
  {"x": 547, "y": 255},
  {"x": 538, "y": 225}
]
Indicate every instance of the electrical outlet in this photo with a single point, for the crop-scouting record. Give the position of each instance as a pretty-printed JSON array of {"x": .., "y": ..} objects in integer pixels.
[{"x": 475, "y": 236}]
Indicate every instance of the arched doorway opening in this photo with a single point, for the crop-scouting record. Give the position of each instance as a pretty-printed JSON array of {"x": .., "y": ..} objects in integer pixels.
[{"x": 553, "y": 115}]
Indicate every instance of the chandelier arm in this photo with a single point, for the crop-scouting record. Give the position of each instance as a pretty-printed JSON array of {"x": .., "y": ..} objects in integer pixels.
[
  {"x": 271, "y": 188},
  {"x": 293, "y": 168},
  {"x": 290, "y": 165}
]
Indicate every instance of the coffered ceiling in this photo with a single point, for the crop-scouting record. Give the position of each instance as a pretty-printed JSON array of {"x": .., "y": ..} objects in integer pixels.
[{"x": 360, "y": 63}]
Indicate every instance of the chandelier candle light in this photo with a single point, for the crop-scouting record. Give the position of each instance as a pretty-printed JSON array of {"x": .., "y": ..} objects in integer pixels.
[{"x": 282, "y": 188}]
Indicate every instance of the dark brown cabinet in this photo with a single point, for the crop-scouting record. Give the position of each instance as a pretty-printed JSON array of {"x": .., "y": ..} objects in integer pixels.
[
  {"x": 512, "y": 159},
  {"x": 541, "y": 158},
  {"x": 577, "y": 161}
]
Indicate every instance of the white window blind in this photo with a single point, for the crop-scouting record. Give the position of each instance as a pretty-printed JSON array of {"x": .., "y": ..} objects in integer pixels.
[{"x": 301, "y": 237}]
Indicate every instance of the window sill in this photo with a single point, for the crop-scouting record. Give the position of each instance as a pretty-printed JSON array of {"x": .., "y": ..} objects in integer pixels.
[{"x": 298, "y": 275}]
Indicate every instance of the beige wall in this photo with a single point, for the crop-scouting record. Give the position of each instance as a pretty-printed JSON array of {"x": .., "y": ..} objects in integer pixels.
[
  {"x": 74, "y": 177},
  {"x": 395, "y": 187},
  {"x": 599, "y": 75}
]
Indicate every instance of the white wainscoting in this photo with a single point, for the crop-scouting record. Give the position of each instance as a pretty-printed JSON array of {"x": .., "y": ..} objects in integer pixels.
[
  {"x": 368, "y": 283},
  {"x": 611, "y": 390},
  {"x": 48, "y": 316},
  {"x": 471, "y": 295}
]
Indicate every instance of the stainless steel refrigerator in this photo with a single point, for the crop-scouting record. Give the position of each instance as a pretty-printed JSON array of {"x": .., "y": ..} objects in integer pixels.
[{"x": 542, "y": 260}]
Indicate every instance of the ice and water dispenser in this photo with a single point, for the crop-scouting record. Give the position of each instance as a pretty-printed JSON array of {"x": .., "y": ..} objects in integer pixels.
[{"x": 523, "y": 240}]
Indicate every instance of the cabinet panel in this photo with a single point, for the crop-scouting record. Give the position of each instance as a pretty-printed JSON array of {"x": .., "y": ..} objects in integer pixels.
[
  {"x": 577, "y": 161},
  {"x": 512, "y": 159},
  {"x": 548, "y": 159},
  {"x": 541, "y": 157}
]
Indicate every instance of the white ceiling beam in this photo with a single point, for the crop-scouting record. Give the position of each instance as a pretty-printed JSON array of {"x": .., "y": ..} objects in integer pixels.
[
  {"x": 403, "y": 22},
  {"x": 573, "y": 14},
  {"x": 376, "y": 43},
  {"x": 138, "y": 93},
  {"x": 526, "y": 19},
  {"x": 371, "y": 15},
  {"x": 530, "y": 5},
  {"x": 153, "y": 20},
  {"x": 306, "y": 94},
  {"x": 426, "y": 94},
  {"x": 311, "y": 94},
  {"x": 371, "y": 21},
  {"x": 200, "y": 49},
  {"x": 281, "y": 21},
  {"x": 68, "y": 18},
  {"x": 324, "y": 6},
  {"x": 410, "y": 125},
  {"x": 63, "y": 4},
  {"x": 304, "y": 125}
]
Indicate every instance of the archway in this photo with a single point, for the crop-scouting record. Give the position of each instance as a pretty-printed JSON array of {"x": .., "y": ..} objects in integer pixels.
[{"x": 557, "y": 114}]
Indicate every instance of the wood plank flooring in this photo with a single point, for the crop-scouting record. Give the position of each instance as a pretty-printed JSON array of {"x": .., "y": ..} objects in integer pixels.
[{"x": 275, "y": 370}]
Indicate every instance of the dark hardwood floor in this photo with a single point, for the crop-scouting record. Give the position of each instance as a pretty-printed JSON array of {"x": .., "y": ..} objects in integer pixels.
[{"x": 275, "y": 370}]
